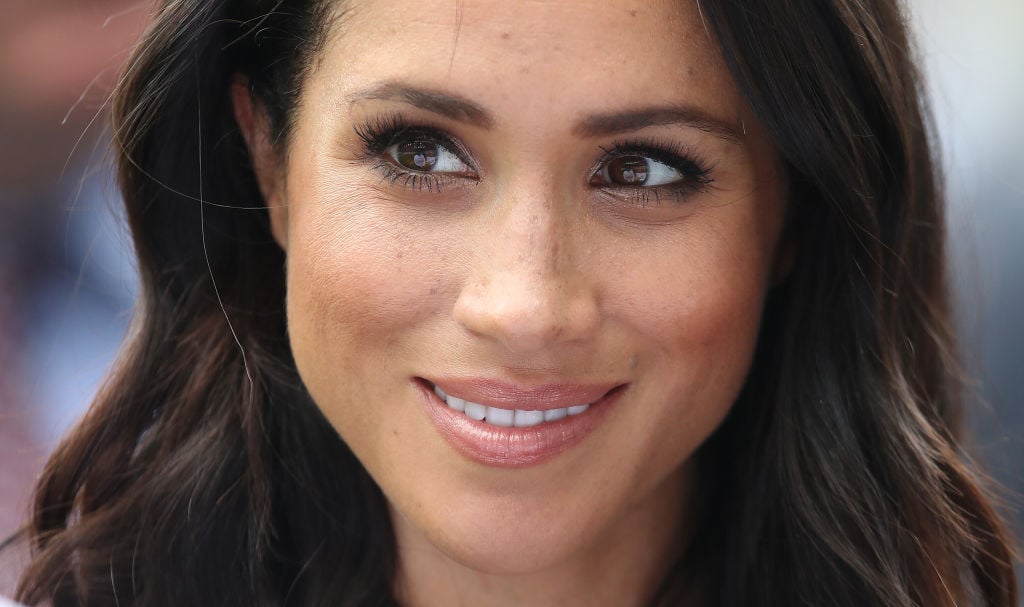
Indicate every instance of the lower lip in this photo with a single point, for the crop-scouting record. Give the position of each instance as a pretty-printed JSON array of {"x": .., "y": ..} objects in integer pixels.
[{"x": 512, "y": 447}]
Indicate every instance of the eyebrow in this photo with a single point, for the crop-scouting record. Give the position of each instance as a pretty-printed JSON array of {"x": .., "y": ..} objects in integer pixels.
[
  {"x": 633, "y": 120},
  {"x": 463, "y": 110},
  {"x": 437, "y": 102}
]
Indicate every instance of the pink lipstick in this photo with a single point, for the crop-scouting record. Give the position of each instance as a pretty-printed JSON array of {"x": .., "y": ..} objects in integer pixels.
[{"x": 508, "y": 425}]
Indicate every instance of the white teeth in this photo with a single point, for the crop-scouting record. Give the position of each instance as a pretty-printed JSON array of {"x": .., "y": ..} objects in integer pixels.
[
  {"x": 500, "y": 417},
  {"x": 525, "y": 419},
  {"x": 505, "y": 418},
  {"x": 456, "y": 403},
  {"x": 475, "y": 411},
  {"x": 577, "y": 409},
  {"x": 554, "y": 414}
]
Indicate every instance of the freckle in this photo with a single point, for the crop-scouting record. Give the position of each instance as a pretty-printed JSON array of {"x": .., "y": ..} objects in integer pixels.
[
  {"x": 524, "y": 70},
  {"x": 506, "y": 36},
  {"x": 433, "y": 290},
  {"x": 399, "y": 255},
  {"x": 689, "y": 71},
  {"x": 632, "y": 13}
]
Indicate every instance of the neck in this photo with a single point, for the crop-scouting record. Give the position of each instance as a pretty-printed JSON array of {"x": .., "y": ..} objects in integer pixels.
[{"x": 623, "y": 567}]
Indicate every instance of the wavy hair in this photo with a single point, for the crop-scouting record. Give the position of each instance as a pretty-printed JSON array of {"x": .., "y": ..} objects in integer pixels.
[{"x": 203, "y": 474}]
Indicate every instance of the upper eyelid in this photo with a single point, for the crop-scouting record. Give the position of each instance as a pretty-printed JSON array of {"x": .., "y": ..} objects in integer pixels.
[{"x": 645, "y": 146}]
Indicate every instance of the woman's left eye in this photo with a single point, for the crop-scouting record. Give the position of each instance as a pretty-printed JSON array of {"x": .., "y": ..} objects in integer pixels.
[
  {"x": 636, "y": 170},
  {"x": 423, "y": 155}
]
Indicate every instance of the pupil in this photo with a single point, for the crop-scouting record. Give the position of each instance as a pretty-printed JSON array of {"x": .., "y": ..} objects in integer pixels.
[
  {"x": 417, "y": 155},
  {"x": 628, "y": 170}
]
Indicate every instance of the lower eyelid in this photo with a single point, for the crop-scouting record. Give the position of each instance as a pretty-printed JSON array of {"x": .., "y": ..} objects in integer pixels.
[
  {"x": 678, "y": 193},
  {"x": 415, "y": 181}
]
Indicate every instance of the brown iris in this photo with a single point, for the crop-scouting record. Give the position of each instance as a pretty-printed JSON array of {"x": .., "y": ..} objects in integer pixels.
[
  {"x": 417, "y": 155},
  {"x": 628, "y": 170}
]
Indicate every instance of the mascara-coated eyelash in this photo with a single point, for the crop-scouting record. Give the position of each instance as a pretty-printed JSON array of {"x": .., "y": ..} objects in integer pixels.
[
  {"x": 649, "y": 169},
  {"x": 417, "y": 157}
]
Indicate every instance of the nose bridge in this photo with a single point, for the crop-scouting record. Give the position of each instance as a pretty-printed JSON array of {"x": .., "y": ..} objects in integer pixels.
[
  {"x": 526, "y": 289},
  {"x": 530, "y": 242}
]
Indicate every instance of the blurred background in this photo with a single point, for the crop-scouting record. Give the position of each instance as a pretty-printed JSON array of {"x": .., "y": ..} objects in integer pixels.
[
  {"x": 66, "y": 277},
  {"x": 67, "y": 282}
]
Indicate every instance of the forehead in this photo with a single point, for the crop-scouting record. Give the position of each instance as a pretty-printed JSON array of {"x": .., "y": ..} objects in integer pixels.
[{"x": 535, "y": 57}]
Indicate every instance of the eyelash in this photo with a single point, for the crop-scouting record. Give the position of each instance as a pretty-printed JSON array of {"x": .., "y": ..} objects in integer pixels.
[
  {"x": 696, "y": 171},
  {"x": 381, "y": 132}
]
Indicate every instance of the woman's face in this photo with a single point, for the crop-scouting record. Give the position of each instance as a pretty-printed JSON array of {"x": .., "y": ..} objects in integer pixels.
[{"x": 530, "y": 206}]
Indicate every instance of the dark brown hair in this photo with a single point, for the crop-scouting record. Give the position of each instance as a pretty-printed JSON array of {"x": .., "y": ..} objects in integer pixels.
[{"x": 204, "y": 475}]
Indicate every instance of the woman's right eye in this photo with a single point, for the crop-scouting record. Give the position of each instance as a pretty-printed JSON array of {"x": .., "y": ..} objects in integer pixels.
[{"x": 423, "y": 154}]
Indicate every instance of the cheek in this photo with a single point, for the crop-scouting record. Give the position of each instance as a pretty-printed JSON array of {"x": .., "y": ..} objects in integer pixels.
[
  {"x": 699, "y": 296},
  {"x": 699, "y": 308},
  {"x": 356, "y": 282},
  {"x": 337, "y": 285}
]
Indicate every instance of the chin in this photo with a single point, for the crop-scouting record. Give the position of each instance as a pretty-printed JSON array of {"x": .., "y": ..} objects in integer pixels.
[
  {"x": 510, "y": 552},
  {"x": 497, "y": 539}
]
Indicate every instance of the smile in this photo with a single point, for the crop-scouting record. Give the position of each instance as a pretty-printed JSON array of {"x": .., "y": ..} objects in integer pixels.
[
  {"x": 496, "y": 416},
  {"x": 510, "y": 426}
]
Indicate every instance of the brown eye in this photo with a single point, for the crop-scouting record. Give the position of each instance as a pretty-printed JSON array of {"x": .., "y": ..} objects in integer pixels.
[
  {"x": 628, "y": 170},
  {"x": 416, "y": 155},
  {"x": 641, "y": 171},
  {"x": 423, "y": 154}
]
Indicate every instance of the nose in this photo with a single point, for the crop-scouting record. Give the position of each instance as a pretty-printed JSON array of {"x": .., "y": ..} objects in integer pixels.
[{"x": 526, "y": 289}]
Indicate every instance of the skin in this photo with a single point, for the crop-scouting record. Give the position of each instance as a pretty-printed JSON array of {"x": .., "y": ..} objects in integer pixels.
[{"x": 527, "y": 272}]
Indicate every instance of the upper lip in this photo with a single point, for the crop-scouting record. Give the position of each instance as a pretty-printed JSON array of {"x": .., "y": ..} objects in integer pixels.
[{"x": 505, "y": 395}]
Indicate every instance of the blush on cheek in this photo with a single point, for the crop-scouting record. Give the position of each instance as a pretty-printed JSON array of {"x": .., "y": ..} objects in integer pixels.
[
  {"x": 357, "y": 279},
  {"x": 344, "y": 295},
  {"x": 707, "y": 324}
]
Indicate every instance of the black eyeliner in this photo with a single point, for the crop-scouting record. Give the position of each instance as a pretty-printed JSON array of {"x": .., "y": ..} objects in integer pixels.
[
  {"x": 696, "y": 171},
  {"x": 380, "y": 132},
  {"x": 670, "y": 154}
]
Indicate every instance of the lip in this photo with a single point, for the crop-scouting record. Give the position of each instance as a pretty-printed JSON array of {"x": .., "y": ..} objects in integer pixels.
[
  {"x": 514, "y": 447},
  {"x": 495, "y": 393}
]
